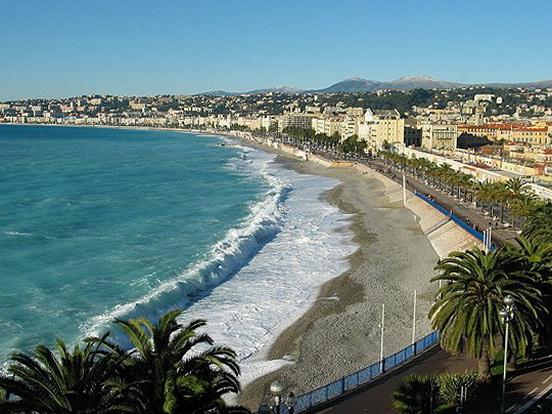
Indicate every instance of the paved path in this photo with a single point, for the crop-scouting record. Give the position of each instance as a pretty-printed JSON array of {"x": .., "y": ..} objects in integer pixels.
[
  {"x": 529, "y": 382},
  {"x": 375, "y": 397},
  {"x": 463, "y": 210},
  {"x": 522, "y": 387}
]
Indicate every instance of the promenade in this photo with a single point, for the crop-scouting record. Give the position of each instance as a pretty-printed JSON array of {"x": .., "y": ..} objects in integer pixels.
[
  {"x": 462, "y": 209},
  {"x": 526, "y": 384},
  {"x": 529, "y": 382}
]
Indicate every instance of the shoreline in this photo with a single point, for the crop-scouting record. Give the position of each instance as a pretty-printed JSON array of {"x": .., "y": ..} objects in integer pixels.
[{"x": 339, "y": 333}]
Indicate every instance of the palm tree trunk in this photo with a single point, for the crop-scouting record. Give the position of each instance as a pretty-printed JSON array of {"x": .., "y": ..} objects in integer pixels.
[
  {"x": 484, "y": 365},
  {"x": 511, "y": 364}
]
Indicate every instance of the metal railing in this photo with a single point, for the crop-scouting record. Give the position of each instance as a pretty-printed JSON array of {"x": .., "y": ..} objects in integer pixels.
[
  {"x": 350, "y": 382},
  {"x": 357, "y": 379},
  {"x": 452, "y": 217}
]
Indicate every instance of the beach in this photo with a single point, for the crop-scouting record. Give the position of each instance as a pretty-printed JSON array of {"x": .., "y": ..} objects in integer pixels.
[{"x": 340, "y": 333}]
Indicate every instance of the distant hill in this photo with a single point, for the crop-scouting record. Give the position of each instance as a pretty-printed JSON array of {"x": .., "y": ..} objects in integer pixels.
[
  {"x": 530, "y": 85},
  {"x": 420, "y": 82},
  {"x": 351, "y": 85},
  {"x": 280, "y": 89},
  {"x": 359, "y": 85},
  {"x": 218, "y": 93},
  {"x": 275, "y": 89}
]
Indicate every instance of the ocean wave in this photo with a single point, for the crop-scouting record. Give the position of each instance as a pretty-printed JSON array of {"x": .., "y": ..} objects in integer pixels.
[
  {"x": 223, "y": 260},
  {"x": 16, "y": 233}
]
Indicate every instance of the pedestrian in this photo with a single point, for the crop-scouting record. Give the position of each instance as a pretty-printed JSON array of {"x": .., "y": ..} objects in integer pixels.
[{"x": 468, "y": 221}]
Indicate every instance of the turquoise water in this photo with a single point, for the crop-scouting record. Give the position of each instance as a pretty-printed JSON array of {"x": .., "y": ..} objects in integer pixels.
[
  {"x": 99, "y": 223},
  {"x": 93, "y": 219}
]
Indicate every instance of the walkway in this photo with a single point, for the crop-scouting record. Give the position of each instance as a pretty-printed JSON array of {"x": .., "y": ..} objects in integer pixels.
[
  {"x": 463, "y": 210},
  {"x": 375, "y": 397},
  {"x": 530, "y": 381}
]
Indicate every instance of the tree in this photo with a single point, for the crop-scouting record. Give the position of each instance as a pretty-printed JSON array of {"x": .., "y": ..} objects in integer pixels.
[
  {"x": 69, "y": 382},
  {"x": 521, "y": 206},
  {"x": 540, "y": 219},
  {"x": 417, "y": 394},
  {"x": 451, "y": 385},
  {"x": 517, "y": 186},
  {"x": 467, "y": 311},
  {"x": 174, "y": 369},
  {"x": 534, "y": 257}
]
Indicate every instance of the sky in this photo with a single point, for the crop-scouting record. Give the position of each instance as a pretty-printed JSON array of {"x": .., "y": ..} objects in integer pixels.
[{"x": 63, "y": 48}]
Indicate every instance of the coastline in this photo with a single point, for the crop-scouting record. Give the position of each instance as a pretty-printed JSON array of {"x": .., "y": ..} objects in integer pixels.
[{"x": 339, "y": 334}]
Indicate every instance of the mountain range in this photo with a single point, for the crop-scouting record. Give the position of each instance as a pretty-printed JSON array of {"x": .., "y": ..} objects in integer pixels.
[{"x": 359, "y": 85}]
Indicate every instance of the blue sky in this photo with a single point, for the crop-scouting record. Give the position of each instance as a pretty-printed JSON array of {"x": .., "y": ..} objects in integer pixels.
[{"x": 66, "y": 48}]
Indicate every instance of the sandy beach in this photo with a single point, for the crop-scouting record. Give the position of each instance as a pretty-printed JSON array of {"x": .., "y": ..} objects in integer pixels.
[{"x": 340, "y": 333}]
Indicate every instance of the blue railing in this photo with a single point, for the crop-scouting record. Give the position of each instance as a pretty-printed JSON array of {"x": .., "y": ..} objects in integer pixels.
[
  {"x": 350, "y": 382},
  {"x": 453, "y": 217}
]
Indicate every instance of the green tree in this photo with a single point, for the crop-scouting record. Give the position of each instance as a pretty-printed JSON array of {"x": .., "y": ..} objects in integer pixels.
[
  {"x": 417, "y": 394},
  {"x": 451, "y": 385},
  {"x": 534, "y": 257},
  {"x": 174, "y": 368},
  {"x": 522, "y": 206},
  {"x": 467, "y": 310},
  {"x": 539, "y": 220},
  {"x": 61, "y": 382}
]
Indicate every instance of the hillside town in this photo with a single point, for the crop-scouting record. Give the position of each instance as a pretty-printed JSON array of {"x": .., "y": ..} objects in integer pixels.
[{"x": 491, "y": 133}]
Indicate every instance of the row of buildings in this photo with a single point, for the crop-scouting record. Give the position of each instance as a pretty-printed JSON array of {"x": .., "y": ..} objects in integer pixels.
[{"x": 433, "y": 129}]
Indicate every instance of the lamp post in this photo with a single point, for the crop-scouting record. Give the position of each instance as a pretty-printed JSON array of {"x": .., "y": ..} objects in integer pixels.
[
  {"x": 382, "y": 331},
  {"x": 277, "y": 391},
  {"x": 507, "y": 314},
  {"x": 414, "y": 325}
]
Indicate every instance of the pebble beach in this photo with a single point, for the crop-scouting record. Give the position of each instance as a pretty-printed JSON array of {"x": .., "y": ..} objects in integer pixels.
[{"x": 340, "y": 333}]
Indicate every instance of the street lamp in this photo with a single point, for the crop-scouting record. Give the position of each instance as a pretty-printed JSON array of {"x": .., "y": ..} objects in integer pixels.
[
  {"x": 382, "y": 331},
  {"x": 507, "y": 314},
  {"x": 277, "y": 391}
]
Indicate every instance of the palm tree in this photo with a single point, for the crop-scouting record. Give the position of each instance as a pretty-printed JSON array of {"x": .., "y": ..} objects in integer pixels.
[
  {"x": 502, "y": 196},
  {"x": 4, "y": 396},
  {"x": 534, "y": 257},
  {"x": 539, "y": 219},
  {"x": 521, "y": 206},
  {"x": 175, "y": 369},
  {"x": 465, "y": 182},
  {"x": 445, "y": 174},
  {"x": 484, "y": 194},
  {"x": 69, "y": 382},
  {"x": 417, "y": 394},
  {"x": 467, "y": 311},
  {"x": 517, "y": 186}
]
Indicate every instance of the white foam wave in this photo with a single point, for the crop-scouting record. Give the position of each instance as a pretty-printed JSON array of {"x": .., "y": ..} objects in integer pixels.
[
  {"x": 16, "y": 233},
  {"x": 222, "y": 262},
  {"x": 272, "y": 267}
]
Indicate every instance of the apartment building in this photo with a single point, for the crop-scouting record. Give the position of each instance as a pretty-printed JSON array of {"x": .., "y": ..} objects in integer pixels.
[
  {"x": 328, "y": 125},
  {"x": 439, "y": 136},
  {"x": 533, "y": 135},
  {"x": 382, "y": 128},
  {"x": 298, "y": 120}
]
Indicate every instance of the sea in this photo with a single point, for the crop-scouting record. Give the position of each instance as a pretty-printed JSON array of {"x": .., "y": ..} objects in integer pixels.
[{"x": 105, "y": 223}]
